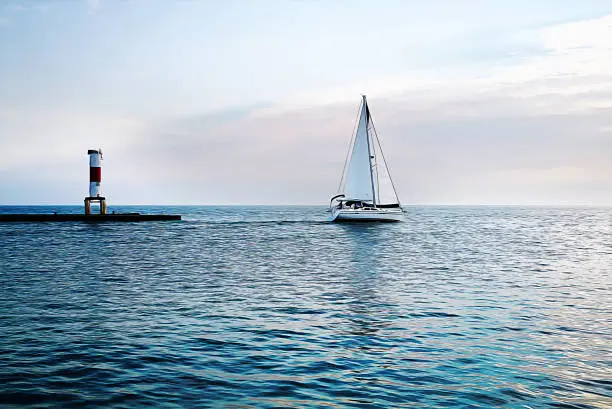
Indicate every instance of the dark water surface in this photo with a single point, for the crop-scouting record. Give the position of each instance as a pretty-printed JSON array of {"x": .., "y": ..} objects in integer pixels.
[{"x": 244, "y": 307}]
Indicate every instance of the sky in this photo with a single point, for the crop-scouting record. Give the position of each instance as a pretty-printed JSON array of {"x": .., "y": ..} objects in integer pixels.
[{"x": 254, "y": 102}]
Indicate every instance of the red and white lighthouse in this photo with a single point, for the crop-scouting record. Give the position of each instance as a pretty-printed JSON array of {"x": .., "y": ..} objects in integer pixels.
[
  {"x": 95, "y": 178},
  {"x": 95, "y": 172}
]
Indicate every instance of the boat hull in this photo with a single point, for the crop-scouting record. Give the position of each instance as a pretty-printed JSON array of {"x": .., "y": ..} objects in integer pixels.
[{"x": 362, "y": 215}]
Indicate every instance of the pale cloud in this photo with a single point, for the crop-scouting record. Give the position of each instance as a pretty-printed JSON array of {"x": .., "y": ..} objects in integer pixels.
[
  {"x": 450, "y": 152},
  {"x": 582, "y": 50},
  {"x": 560, "y": 175},
  {"x": 593, "y": 34},
  {"x": 574, "y": 58}
]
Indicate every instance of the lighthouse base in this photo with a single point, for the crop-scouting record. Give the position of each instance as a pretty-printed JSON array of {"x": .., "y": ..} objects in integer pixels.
[{"x": 100, "y": 199}]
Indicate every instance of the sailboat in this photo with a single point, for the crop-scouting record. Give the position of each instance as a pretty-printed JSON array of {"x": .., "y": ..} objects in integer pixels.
[{"x": 366, "y": 191}]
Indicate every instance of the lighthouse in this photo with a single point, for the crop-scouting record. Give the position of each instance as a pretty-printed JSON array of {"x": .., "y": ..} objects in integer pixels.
[{"x": 95, "y": 178}]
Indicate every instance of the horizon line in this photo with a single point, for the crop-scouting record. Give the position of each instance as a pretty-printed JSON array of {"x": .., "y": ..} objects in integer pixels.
[{"x": 323, "y": 205}]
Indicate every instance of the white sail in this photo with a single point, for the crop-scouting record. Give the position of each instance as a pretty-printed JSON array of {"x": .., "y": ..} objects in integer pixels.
[{"x": 358, "y": 181}]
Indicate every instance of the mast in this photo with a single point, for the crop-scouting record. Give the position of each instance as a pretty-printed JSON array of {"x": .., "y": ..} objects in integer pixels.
[{"x": 365, "y": 106}]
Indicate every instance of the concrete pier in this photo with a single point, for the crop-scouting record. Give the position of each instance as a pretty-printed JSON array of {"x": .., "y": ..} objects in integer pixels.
[{"x": 95, "y": 218}]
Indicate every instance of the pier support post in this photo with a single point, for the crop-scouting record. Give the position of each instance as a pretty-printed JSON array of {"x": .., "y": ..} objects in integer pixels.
[{"x": 99, "y": 199}]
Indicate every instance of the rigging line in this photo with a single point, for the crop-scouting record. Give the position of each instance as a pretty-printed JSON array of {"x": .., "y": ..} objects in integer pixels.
[
  {"x": 348, "y": 153},
  {"x": 385, "y": 162},
  {"x": 371, "y": 129}
]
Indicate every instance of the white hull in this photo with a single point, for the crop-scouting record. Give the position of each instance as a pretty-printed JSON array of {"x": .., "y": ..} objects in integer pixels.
[{"x": 365, "y": 215}]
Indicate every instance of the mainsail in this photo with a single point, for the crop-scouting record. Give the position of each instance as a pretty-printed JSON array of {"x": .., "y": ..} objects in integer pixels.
[
  {"x": 367, "y": 178},
  {"x": 359, "y": 181}
]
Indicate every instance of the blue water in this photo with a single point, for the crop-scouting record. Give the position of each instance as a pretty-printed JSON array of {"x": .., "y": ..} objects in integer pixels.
[{"x": 261, "y": 307}]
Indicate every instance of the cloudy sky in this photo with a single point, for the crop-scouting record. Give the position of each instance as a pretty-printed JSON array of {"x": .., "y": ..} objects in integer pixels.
[{"x": 254, "y": 102}]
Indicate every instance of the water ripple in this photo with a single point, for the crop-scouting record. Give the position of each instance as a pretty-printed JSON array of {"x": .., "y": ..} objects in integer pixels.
[{"x": 262, "y": 307}]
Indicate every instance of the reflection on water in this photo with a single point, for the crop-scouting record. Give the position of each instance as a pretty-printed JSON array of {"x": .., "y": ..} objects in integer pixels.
[
  {"x": 262, "y": 307},
  {"x": 367, "y": 309}
]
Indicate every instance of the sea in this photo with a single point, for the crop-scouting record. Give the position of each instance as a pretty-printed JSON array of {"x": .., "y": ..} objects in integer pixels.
[{"x": 275, "y": 307}]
